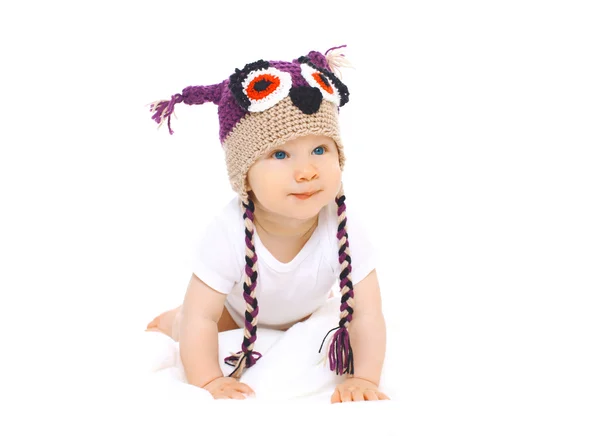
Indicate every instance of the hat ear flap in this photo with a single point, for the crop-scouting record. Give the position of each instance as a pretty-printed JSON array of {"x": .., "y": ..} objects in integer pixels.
[{"x": 163, "y": 109}]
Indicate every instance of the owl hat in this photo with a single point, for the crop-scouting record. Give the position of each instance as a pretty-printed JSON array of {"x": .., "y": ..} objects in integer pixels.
[{"x": 261, "y": 107}]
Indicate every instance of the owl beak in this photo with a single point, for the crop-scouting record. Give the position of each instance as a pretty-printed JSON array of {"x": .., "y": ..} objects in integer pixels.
[{"x": 306, "y": 98}]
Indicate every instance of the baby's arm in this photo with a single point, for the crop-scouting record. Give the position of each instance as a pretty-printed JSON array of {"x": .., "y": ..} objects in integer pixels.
[
  {"x": 368, "y": 336},
  {"x": 367, "y": 330},
  {"x": 198, "y": 341},
  {"x": 198, "y": 335}
]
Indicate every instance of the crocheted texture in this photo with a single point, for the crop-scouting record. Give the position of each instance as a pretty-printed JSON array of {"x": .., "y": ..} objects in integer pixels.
[
  {"x": 163, "y": 109},
  {"x": 325, "y": 79},
  {"x": 247, "y": 357},
  {"x": 266, "y": 104},
  {"x": 258, "y": 133},
  {"x": 341, "y": 358}
]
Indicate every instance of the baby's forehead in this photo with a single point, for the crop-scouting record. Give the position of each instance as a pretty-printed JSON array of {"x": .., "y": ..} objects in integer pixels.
[{"x": 308, "y": 140}]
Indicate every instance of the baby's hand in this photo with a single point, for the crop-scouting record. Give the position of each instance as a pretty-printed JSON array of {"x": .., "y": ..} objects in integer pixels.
[
  {"x": 357, "y": 389},
  {"x": 228, "y": 387}
]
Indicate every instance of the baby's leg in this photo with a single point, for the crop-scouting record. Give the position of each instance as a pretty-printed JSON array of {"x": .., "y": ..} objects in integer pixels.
[{"x": 169, "y": 322}]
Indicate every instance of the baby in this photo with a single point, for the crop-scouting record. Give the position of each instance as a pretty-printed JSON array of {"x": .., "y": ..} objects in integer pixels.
[{"x": 283, "y": 240}]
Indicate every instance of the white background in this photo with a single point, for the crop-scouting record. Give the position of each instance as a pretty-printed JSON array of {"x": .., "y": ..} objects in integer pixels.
[{"x": 472, "y": 139}]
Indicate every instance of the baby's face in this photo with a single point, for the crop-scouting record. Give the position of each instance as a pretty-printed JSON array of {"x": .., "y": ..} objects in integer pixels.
[{"x": 306, "y": 164}]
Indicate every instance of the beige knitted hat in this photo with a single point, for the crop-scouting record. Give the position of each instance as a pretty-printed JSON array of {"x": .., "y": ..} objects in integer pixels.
[{"x": 267, "y": 104}]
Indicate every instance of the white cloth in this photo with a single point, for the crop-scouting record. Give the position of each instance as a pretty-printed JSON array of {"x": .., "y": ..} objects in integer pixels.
[
  {"x": 286, "y": 292},
  {"x": 292, "y": 382},
  {"x": 291, "y": 367}
]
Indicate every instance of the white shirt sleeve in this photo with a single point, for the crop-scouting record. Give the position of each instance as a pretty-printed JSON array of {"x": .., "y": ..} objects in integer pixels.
[{"x": 215, "y": 258}]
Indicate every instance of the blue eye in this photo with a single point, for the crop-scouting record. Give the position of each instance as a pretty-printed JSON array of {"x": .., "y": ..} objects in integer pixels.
[
  {"x": 279, "y": 155},
  {"x": 321, "y": 150}
]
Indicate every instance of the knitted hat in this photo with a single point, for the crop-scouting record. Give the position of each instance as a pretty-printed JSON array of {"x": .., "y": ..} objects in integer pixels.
[{"x": 261, "y": 107}]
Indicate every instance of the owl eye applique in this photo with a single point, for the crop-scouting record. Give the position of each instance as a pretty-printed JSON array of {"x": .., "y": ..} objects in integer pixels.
[
  {"x": 330, "y": 86},
  {"x": 259, "y": 86}
]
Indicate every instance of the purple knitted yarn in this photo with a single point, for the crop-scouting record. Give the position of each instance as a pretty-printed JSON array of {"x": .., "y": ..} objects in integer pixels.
[
  {"x": 164, "y": 109},
  {"x": 229, "y": 111},
  {"x": 203, "y": 94},
  {"x": 190, "y": 95},
  {"x": 340, "y": 353},
  {"x": 251, "y": 358},
  {"x": 335, "y": 48},
  {"x": 248, "y": 357}
]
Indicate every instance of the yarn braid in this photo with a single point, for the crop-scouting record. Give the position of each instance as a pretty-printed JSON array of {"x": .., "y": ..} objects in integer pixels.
[
  {"x": 248, "y": 357},
  {"x": 341, "y": 358}
]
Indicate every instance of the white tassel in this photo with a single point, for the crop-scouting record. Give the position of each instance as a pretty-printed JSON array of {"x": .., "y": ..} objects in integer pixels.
[
  {"x": 163, "y": 118},
  {"x": 323, "y": 361},
  {"x": 337, "y": 60}
]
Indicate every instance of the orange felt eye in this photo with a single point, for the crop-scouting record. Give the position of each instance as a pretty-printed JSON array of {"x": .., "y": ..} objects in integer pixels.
[
  {"x": 323, "y": 82},
  {"x": 319, "y": 79},
  {"x": 262, "y": 85},
  {"x": 266, "y": 87}
]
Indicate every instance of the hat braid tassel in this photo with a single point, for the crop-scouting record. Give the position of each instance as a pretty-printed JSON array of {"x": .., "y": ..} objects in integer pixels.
[
  {"x": 248, "y": 357},
  {"x": 341, "y": 358}
]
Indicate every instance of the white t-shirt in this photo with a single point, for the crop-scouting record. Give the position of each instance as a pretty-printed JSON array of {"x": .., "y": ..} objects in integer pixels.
[{"x": 286, "y": 292}]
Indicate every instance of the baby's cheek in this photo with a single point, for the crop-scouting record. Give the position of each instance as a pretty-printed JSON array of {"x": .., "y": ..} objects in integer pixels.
[
  {"x": 335, "y": 165},
  {"x": 333, "y": 173}
]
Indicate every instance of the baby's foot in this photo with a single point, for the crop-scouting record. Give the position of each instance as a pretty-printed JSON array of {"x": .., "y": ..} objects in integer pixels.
[{"x": 165, "y": 323}]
